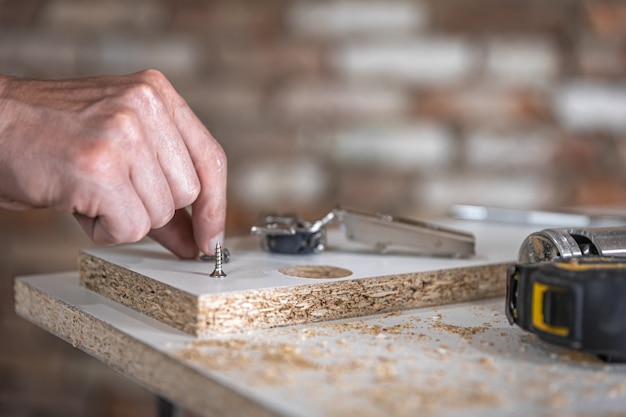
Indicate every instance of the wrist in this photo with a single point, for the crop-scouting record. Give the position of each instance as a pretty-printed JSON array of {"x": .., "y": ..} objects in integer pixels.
[
  {"x": 5, "y": 200},
  {"x": 4, "y": 86},
  {"x": 4, "y": 82}
]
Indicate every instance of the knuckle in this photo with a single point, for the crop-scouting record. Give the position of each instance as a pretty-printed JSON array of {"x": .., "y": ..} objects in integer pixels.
[
  {"x": 219, "y": 156},
  {"x": 102, "y": 157},
  {"x": 147, "y": 88},
  {"x": 189, "y": 194},
  {"x": 135, "y": 232},
  {"x": 194, "y": 192},
  {"x": 163, "y": 219},
  {"x": 140, "y": 94},
  {"x": 121, "y": 136},
  {"x": 152, "y": 76},
  {"x": 98, "y": 161},
  {"x": 124, "y": 124}
]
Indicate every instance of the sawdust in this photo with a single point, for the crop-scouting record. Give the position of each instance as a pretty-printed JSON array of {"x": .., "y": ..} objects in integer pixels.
[
  {"x": 487, "y": 364},
  {"x": 233, "y": 344},
  {"x": 288, "y": 355},
  {"x": 388, "y": 393},
  {"x": 616, "y": 390},
  {"x": 578, "y": 357},
  {"x": 407, "y": 328},
  {"x": 282, "y": 361},
  {"x": 555, "y": 400},
  {"x": 221, "y": 362},
  {"x": 399, "y": 399},
  {"x": 466, "y": 333},
  {"x": 380, "y": 378}
]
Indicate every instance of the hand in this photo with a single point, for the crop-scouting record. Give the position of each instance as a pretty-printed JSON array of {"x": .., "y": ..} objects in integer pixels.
[{"x": 124, "y": 154}]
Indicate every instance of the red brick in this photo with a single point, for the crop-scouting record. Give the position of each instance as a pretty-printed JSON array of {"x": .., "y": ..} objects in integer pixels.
[
  {"x": 111, "y": 15},
  {"x": 600, "y": 190},
  {"x": 271, "y": 60},
  {"x": 374, "y": 190},
  {"x": 234, "y": 21},
  {"x": 504, "y": 16},
  {"x": 484, "y": 105},
  {"x": 19, "y": 13},
  {"x": 601, "y": 58},
  {"x": 607, "y": 18}
]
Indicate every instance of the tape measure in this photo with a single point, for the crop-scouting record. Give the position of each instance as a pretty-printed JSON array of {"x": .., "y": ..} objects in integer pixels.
[{"x": 578, "y": 302}]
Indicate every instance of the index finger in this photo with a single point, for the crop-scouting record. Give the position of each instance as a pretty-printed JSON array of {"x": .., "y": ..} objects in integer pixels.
[
  {"x": 209, "y": 160},
  {"x": 209, "y": 210}
]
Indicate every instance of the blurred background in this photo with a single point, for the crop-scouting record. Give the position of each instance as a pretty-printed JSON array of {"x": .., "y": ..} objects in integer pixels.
[{"x": 402, "y": 106}]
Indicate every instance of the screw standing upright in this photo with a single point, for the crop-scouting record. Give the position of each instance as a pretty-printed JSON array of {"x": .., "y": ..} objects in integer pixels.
[{"x": 219, "y": 259}]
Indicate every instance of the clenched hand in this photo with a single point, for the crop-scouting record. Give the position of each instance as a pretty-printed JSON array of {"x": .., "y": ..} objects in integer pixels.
[{"x": 124, "y": 154}]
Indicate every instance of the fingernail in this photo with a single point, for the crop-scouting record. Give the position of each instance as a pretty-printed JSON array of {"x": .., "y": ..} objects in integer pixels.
[{"x": 217, "y": 238}]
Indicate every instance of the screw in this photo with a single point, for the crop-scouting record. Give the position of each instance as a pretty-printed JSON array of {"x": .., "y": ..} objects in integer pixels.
[
  {"x": 219, "y": 258},
  {"x": 211, "y": 258}
]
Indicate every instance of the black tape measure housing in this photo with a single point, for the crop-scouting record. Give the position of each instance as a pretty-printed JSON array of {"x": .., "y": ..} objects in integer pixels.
[{"x": 578, "y": 303}]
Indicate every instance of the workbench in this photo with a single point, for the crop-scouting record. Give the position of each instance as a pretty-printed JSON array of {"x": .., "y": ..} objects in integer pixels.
[{"x": 449, "y": 360}]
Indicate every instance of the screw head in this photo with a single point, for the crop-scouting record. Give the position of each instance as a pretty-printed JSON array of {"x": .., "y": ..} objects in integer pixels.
[{"x": 218, "y": 273}]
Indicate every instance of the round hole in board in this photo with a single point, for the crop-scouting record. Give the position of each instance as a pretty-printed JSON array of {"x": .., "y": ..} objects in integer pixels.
[{"x": 315, "y": 271}]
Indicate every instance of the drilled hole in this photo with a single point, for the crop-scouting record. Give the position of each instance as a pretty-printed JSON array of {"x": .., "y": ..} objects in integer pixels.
[{"x": 315, "y": 271}]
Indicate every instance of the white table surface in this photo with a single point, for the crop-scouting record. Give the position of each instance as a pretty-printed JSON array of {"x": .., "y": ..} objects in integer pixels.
[
  {"x": 455, "y": 360},
  {"x": 251, "y": 268}
]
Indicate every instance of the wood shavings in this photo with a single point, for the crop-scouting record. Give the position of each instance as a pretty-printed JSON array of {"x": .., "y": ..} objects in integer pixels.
[
  {"x": 385, "y": 371},
  {"x": 487, "y": 364},
  {"x": 617, "y": 390},
  {"x": 556, "y": 400},
  {"x": 465, "y": 332}
]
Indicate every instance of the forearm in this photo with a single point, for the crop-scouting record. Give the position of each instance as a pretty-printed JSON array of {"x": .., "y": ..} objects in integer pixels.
[{"x": 9, "y": 135}]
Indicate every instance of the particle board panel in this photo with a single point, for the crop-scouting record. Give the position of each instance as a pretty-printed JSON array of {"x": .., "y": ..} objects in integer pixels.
[
  {"x": 256, "y": 294},
  {"x": 455, "y": 360}
]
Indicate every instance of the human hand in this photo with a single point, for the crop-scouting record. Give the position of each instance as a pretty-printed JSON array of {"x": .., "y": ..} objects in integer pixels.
[{"x": 124, "y": 154}]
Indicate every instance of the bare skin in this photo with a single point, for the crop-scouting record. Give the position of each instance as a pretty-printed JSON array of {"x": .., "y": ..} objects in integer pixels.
[{"x": 124, "y": 154}]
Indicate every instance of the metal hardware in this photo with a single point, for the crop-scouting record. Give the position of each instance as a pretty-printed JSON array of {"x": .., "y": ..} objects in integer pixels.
[
  {"x": 290, "y": 234},
  {"x": 218, "y": 272},
  {"x": 551, "y": 244},
  {"x": 211, "y": 258},
  {"x": 533, "y": 217}
]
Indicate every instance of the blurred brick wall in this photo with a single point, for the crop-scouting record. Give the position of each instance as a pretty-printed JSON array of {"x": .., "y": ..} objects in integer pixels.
[
  {"x": 406, "y": 106},
  {"x": 397, "y": 105}
]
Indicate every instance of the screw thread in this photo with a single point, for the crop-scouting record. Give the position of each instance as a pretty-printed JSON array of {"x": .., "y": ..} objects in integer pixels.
[{"x": 219, "y": 259}]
